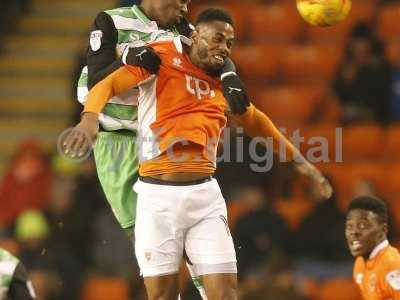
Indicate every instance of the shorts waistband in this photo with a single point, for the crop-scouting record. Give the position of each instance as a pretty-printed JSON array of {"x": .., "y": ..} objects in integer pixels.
[{"x": 151, "y": 180}]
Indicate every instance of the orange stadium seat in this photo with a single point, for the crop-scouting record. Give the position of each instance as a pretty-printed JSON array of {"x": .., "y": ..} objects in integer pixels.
[
  {"x": 274, "y": 22},
  {"x": 393, "y": 52},
  {"x": 313, "y": 136},
  {"x": 102, "y": 288},
  {"x": 388, "y": 21},
  {"x": 363, "y": 141},
  {"x": 257, "y": 62},
  {"x": 310, "y": 62},
  {"x": 235, "y": 9},
  {"x": 346, "y": 178},
  {"x": 391, "y": 188},
  {"x": 361, "y": 10},
  {"x": 392, "y": 144},
  {"x": 339, "y": 289},
  {"x": 290, "y": 105},
  {"x": 293, "y": 210}
]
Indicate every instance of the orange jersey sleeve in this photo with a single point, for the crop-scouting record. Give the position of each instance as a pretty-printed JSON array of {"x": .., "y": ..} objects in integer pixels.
[
  {"x": 256, "y": 124},
  {"x": 390, "y": 277},
  {"x": 118, "y": 82}
]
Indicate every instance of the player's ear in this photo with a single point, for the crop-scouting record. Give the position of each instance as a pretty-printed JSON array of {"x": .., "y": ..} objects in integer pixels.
[
  {"x": 385, "y": 229},
  {"x": 195, "y": 36}
]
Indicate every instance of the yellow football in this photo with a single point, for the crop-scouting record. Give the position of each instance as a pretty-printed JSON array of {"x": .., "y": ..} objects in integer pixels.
[{"x": 323, "y": 12}]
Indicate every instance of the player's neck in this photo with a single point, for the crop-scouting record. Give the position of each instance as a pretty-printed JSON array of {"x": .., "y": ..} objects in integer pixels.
[{"x": 379, "y": 246}]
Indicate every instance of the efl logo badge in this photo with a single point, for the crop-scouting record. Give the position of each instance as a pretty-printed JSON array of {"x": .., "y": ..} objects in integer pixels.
[{"x": 95, "y": 39}]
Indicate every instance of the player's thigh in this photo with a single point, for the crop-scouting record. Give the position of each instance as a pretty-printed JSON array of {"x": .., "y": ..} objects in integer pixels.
[
  {"x": 220, "y": 286},
  {"x": 209, "y": 241},
  {"x": 158, "y": 238},
  {"x": 117, "y": 166},
  {"x": 162, "y": 287}
]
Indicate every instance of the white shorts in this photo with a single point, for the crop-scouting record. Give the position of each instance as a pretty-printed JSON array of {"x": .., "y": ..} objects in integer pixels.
[{"x": 170, "y": 219}]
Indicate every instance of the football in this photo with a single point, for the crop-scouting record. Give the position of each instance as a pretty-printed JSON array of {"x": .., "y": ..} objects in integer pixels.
[{"x": 323, "y": 12}]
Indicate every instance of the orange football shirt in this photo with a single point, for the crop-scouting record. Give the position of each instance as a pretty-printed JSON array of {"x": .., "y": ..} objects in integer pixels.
[
  {"x": 379, "y": 277},
  {"x": 181, "y": 113}
]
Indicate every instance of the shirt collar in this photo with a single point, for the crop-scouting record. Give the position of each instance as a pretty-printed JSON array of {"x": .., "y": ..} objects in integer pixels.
[
  {"x": 378, "y": 249},
  {"x": 178, "y": 40},
  {"x": 140, "y": 14}
]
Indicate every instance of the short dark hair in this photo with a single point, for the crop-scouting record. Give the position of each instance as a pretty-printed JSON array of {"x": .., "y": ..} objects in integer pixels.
[
  {"x": 375, "y": 205},
  {"x": 214, "y": 14}
]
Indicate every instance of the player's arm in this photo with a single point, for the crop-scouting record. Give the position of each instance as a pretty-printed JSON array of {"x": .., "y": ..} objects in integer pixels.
[
  {"x": 80, "y": 139},
  {"x": 256, "y": 124},
  {"x": 233, "y": 88},
  {"x": 20, "y": 287},
  {"x": 102, "y": 58},
  {"x": 392, "y": 279}
]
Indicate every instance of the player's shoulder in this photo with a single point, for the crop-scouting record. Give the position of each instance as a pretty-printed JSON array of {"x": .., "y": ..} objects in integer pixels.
[
  {"x": 8, "y": 262},
  {"x": 388, "y": 267},
  {"x": 125, "y": 12},
  {"x": 391, "y": 258}
]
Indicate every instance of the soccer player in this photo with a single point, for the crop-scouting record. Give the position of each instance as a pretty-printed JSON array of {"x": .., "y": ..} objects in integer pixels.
[
  {"x": 377, "y": 265},
  {"x": 119, "y": 36},
  {"x": 182, "y": 111},
  {"x": 14, "y": 282}
]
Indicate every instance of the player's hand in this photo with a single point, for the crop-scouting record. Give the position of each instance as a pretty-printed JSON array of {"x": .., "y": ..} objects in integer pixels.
[
  {"x": 185, "y": 28},
  {"x": 321, "y": 185},
  {"x": 81, "y": 138},
  {"x": 144, "y": 57},
  {"x": 235, "y": 93}
]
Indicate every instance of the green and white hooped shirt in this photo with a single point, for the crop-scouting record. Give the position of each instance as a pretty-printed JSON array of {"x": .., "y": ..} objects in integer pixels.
[{"x": 133, "y": 29}]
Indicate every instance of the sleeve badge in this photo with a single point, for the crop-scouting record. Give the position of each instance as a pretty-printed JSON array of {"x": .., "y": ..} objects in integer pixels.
[
  {"x": 95, "y": 39},
  {"x": 393, "y": 278}
]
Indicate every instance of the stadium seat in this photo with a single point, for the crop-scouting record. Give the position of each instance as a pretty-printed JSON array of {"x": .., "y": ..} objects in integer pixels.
[
  {"x": 259, "y": 62},
  {"x": 275, "y": 22},
  {"x": 290, "y": 105},
  {"x": 388, "y": 21},
  {"x": 310, "y": 62},
  {"x": 346, "y": 178},
  {"x": 392, "y": 143},
  {"x": 337, "y": 34},
  {"x": 339, "y": 289},
  {"x": 393, "y": 52},
  {"x": 395, "y": 212},
  {"x": 362, "y": 142},
  {"x": 105, "y": 288},
  {"x": 391, "y": 188},
  {"x": 313, "y": 139},
  {"x": 293, "y": 210}
]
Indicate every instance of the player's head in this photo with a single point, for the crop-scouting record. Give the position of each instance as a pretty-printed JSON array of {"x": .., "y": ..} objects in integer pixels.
[
  {"x": 166, "y": 12},
  {"x": 366, "y": 225},
  {"x": 212, "y": 39}
]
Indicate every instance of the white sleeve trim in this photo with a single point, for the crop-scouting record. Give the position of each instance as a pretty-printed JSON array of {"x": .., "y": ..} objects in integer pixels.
[{"x": 227, "y": 74}]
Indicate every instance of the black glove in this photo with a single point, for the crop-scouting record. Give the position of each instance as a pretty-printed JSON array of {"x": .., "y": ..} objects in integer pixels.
[
  {"x": 185, "y": 28},
  {"x": 144, "y": 57},
  {"x": 235, "y": 93}
]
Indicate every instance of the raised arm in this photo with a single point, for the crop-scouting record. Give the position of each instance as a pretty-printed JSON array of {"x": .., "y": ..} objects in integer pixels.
[{"x": 256, "y": 124}]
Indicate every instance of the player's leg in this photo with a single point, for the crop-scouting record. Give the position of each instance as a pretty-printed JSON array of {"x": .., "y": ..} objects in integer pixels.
[
  {"x": 209, "y": 246},
  {"x": 197, "y": 281},
  {"x": 117, "y": 166},
  {"x": 159, "y": 238},
  {"x": 162, "y": 287},
  {"x": 220, "y": 286}
]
